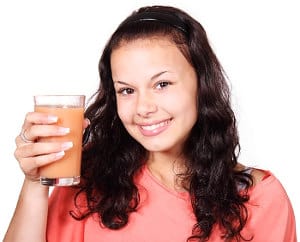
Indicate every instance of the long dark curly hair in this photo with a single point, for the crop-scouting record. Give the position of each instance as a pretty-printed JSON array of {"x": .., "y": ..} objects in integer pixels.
[{"x": 112, "y": 158}]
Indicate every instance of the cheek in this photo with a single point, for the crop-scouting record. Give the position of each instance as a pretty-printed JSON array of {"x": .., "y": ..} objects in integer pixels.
[
  {"x": 124, "y": 111},
  {"x": 188, "y": 110},
  {"x": 183, "y": 102}
]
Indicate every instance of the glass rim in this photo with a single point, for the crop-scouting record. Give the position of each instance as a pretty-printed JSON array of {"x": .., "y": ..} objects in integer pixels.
[{"x": 59, "y": 95}]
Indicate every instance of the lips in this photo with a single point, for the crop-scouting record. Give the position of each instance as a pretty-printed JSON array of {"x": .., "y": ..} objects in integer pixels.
[{"x": 154, "y": 128}]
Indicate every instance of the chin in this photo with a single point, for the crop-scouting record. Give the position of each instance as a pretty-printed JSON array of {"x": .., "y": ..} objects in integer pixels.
[{"x": 156, "y": 147}]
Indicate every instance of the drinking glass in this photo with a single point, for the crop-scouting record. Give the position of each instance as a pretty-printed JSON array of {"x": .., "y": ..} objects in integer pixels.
[{"x": 70, "y": 112}]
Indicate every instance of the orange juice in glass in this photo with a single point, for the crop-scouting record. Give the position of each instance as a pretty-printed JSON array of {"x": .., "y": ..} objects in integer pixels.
[{"x": 70, "y": 111}]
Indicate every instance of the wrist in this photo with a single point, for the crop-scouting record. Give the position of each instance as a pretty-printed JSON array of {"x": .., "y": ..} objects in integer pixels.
[{"x": 34, "y": 187}]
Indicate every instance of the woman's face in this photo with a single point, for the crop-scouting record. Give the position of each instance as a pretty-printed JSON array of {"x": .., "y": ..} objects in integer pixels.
[{"x": 156, "y": 90}]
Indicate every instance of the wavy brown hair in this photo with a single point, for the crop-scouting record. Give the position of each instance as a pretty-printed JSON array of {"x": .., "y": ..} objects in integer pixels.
[{"x": 112, "y": 158}]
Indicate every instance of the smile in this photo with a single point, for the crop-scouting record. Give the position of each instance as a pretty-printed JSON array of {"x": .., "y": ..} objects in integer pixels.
[
  {"x": 154, "y": 129},
  {"x": 155, "y": 126}
]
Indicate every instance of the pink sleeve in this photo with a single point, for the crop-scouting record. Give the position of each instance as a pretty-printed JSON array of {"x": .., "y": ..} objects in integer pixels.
[
  {"x": 61, "y": 227},
  {"x": 271, "y": 216}
]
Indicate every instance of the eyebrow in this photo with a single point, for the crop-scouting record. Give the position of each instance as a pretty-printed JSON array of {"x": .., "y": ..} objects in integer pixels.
[{"x": 152, "y": 78}]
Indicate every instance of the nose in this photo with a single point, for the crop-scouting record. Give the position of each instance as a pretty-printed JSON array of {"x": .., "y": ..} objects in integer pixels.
[{"x": 146, "y": 104}]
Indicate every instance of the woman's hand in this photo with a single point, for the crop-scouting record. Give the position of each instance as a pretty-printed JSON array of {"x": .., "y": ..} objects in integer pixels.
[
  {"x": 29, "y": 221},
  {"x": 30, "y": 152}
]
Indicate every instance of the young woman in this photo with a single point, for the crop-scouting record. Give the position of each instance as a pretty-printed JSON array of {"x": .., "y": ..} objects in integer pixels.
[{"x": 161, "y": 160}]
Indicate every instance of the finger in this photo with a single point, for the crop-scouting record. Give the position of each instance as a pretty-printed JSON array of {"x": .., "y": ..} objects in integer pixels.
[
  {"x": 24, "y": 138},
  {"x": 38, "y": 118},
  {"x": 86, "y": 123},
  {"x": 36, "y": 131},
  {"x": 30, "y": 165},
  {"x": 39, "y": 148},
  {"x": 31, "y": 119},
  {"x": 33, "y": 156}
]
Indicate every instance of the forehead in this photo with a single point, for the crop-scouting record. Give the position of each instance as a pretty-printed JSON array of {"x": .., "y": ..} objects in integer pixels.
[
  {"x": 144, "y": 58},
  {"x": 143, "y": 43},
  {"x": 156, "y": 48},
  {"x": 146, "y": 55}
]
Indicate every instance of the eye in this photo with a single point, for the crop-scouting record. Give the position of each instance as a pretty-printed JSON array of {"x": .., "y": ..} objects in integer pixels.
[
  {"x": 162, "y": 84},
  {"x": 125, "y": 91}
]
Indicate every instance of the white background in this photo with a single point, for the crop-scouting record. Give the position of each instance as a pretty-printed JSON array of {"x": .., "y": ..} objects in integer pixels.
[{"x": 54, "y": 47}]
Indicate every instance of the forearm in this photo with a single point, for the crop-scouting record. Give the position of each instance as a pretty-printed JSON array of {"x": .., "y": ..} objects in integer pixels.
[{"x": 30, "y": 217}]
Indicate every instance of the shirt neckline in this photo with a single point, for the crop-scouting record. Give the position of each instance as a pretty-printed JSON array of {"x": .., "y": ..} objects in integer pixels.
[{"x": 181, "y": 194}]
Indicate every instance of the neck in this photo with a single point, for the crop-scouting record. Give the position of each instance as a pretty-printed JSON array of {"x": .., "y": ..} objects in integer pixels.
[{"x": 166, "y": 168}]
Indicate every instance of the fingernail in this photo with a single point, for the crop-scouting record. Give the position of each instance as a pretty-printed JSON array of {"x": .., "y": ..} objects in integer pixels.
[
  {"x": 67, "y": 145},
  {"x": 89, "y": 122},
  {"x": 59, "y": 154},
  {"x": 63, "y": 130},
  {"x": 52, "y": 119}
]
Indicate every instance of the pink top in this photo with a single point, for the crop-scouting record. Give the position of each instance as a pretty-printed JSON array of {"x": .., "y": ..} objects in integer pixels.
[{"x": 166, "y": 216}]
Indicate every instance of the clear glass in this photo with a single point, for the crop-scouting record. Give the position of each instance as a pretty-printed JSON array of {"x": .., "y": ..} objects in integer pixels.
[{"x": 70, "y": 112}]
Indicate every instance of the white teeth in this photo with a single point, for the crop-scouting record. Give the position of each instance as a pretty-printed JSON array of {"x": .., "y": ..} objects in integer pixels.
[{"x": 154, "y": 126}]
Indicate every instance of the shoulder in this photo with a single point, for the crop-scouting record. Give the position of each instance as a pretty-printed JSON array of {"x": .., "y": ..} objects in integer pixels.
[
  {"x": 269, "y": 209},
  {"x": 267, "y": 189},
  {"x": 265, "y": 184},
  {"x": 265, "y": 179},
  {"x": 258, "y": 175}
]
